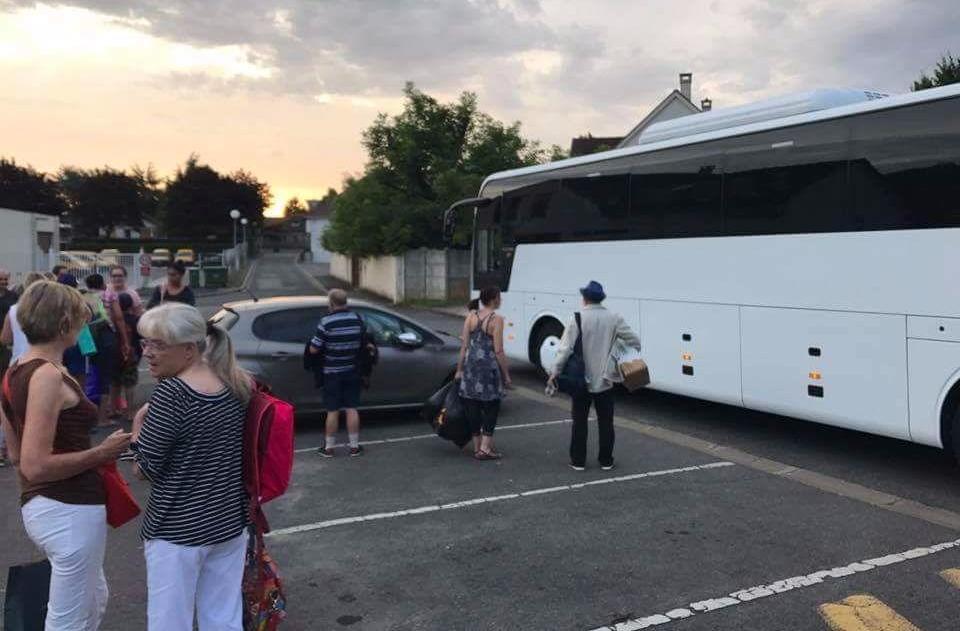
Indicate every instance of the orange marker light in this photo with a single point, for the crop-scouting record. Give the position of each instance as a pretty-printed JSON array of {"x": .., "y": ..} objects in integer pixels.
[{"x": 815, "y": 375}]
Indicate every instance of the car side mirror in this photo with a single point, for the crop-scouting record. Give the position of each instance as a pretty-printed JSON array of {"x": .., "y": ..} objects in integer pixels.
[{"x": 410, "y": 339}]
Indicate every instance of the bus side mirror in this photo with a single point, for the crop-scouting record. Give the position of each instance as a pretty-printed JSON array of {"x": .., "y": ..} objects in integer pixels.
[{"x": 450, "y": 215}]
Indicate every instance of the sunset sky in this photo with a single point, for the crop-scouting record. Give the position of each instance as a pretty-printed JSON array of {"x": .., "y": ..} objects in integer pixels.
[{"x": 284, "y": 88}]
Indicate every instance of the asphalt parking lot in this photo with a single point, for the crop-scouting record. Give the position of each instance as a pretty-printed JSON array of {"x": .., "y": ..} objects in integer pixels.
[
  {"x": 715, "y": 518},
  {"x": 417, "y": 535}
]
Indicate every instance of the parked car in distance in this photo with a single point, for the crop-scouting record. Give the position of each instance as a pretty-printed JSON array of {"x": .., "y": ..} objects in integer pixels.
[
  {"x": 186, "y": 256},
  {"x": 109, "y": 256},
  {"x": 160, "y": 257},
  {"x": 269, "y": 336}
]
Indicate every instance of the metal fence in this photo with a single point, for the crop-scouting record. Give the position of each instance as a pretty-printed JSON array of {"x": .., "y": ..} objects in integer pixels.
[{"x": 82, "y": 264}]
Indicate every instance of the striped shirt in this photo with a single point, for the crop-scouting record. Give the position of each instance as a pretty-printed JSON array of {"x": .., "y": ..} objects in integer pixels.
[
  {"x": 338, "y": 337},
  {"x": 191, "y": 449}
]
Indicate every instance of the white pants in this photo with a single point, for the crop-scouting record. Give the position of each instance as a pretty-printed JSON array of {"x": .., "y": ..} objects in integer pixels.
[
  {"x": 206, "y": 578},
  {"x": 73, "y": 537}
]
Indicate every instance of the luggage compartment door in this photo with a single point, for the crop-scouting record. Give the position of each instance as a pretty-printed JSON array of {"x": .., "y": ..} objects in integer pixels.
[{"x": 844, "y": 369}]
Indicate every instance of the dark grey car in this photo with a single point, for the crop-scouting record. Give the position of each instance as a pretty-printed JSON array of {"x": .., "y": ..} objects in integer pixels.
[{"x": 269, "y": 336}]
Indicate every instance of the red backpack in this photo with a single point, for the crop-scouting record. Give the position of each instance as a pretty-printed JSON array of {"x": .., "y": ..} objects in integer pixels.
[{"x": 267, "y": 450}]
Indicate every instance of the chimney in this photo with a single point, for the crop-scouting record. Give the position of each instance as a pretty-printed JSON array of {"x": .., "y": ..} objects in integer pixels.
[
  {"x": 686, "y": 80},
  {"x": 706, "y": 105}
]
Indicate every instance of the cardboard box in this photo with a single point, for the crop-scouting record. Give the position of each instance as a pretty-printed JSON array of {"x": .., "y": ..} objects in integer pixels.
[{"x": 635, "y": 374}]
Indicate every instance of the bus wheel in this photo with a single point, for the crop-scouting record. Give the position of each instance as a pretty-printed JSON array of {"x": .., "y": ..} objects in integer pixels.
[
  {"x": 546, "y": 343},
  {"x": 955, "y": 432}
]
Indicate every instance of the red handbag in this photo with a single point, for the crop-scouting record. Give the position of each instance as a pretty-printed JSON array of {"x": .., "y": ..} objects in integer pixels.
[{"x": 121, "y": 505}]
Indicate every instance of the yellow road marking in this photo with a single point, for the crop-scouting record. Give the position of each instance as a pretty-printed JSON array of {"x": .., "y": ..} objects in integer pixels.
[
  {"x": 863, "y": 613},
  {"x": 951, "y": 576}
]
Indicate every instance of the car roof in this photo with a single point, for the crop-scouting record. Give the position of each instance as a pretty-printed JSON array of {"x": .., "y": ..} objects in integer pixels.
[{"x": 282, "y": 302}]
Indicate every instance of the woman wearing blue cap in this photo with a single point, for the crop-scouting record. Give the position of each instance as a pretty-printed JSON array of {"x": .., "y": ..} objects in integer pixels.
[{"x": 601, "y": 332}]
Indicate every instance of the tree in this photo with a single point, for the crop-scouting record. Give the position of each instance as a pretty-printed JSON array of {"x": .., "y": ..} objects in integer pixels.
[
  {"x": 947, "y": 71},
  {"x": 23, "y": 188},
  {"x": 197, "y": 201},
  {"x": 105, "y": 198},
  {"x": 294, "y": 206},
  {"x": 420, "y": 161}
]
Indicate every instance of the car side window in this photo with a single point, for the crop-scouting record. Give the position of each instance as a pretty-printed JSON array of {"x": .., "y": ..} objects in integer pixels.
[
  {"x": 385, "y": 328},
  {"x": 288, "y": 325}
]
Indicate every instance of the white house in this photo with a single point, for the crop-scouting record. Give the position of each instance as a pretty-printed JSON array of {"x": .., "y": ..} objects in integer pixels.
[
  {"x": 28, "y": 242},
  {"x": 317, "y": 221}
]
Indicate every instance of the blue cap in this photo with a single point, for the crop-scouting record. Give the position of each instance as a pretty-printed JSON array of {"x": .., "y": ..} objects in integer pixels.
[{"x": 593, "y": 292}]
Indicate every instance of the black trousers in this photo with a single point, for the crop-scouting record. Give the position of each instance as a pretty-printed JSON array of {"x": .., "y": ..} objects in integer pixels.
[{"x": 603, "y": 403}]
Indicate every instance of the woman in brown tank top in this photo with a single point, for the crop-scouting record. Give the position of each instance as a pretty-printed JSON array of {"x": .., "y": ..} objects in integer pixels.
[{"x": 48, "y": 421}]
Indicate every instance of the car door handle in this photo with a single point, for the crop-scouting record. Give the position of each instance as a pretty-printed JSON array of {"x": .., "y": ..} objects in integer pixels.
[{"x": 281, "y": 355}]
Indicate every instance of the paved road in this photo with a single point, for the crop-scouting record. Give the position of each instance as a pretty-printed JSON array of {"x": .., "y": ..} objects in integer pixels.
[{"x": 715, "y": 518}]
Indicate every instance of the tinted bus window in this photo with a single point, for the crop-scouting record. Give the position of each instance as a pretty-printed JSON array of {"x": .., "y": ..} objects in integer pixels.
[
  {"x": 905, "y": 167},
  {"x": 588, "y": 207},
  {"x": 528, "y": 208},
  {"x": 788, "y": 181},
  {"x": 677, "y": 194}
]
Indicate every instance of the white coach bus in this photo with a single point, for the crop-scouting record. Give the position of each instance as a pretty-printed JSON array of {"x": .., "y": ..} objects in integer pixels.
[{"x": 799, "y": 256}]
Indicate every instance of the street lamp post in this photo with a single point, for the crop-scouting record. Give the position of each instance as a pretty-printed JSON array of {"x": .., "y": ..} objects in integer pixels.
[
  {"x": 235, "y": 214},
  {"x": 246, "y": 247}
]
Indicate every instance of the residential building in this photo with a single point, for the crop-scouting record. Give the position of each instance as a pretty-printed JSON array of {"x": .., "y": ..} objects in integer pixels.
[
  {"x": 317, "y": 221},
  {"x": 28, "y": 242},
  {"x": 676, "y": 104},
  {"x": 285, "y": 233}
]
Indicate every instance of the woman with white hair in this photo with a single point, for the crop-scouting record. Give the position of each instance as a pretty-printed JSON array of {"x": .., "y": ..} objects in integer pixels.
[{"x": 188, "y": 442}]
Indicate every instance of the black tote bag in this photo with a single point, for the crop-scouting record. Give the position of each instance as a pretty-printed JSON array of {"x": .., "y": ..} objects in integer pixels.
[{"x": 25, "y": 605}]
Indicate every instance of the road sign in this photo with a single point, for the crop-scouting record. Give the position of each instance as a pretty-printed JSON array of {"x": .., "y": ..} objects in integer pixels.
[{"x": 146, "y": 259}]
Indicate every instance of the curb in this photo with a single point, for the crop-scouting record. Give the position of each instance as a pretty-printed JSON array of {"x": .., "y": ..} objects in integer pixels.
[{"x": 312, "y": 279}]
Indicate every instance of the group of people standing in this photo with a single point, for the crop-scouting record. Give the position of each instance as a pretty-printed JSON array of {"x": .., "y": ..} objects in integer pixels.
[
  {"x": 484, "y": 373},
  {"x": 186, "y": 441}
]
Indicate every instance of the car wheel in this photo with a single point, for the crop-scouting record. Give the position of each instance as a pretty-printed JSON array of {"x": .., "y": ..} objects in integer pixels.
[{"x": 546, "y": 343}]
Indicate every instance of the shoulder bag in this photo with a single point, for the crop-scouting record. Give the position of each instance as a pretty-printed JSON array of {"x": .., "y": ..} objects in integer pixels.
[{"x": 573, "y": 378}]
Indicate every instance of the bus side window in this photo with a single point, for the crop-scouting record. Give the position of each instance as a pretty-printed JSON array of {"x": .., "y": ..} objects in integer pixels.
[
  {"x": 788, "y": 181},
  {"x": 911, "y": 180}
]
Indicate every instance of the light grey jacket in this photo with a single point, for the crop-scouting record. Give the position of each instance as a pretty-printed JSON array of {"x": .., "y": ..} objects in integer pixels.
[{"x": 603, "y": 332}]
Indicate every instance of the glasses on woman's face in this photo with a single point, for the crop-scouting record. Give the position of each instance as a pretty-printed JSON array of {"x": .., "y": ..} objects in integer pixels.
[
  {"x": 117, "y": 276},
  {"x": 157, "y": 346}
]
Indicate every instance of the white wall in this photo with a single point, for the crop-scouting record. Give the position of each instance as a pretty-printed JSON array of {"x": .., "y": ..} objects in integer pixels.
[
  {"x": 383, "y": 275},
  {"x": 340, "y": 266},
  {"x": 315, "y": 230},
  {"x": 19, "y": 251}
]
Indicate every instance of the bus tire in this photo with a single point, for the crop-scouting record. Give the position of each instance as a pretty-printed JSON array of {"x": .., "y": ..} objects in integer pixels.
[
  {"x": 547, "y": 334},
  {"x": 955, "y": 431}
]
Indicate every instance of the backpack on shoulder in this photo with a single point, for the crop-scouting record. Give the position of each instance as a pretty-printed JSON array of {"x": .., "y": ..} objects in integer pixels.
[
  {"x": 267, "y": 448},
  {"x": 267, "y": 469}
]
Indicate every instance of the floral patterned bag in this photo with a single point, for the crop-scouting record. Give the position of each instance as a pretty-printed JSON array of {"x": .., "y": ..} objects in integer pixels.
[{"x": 264, "y": 603}]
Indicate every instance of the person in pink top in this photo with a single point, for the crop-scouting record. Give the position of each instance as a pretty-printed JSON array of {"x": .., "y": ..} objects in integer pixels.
[{"x": 124, "y": 378}]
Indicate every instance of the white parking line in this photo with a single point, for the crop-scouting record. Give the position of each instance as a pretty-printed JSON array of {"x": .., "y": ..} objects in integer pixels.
[
  {"x": 293, "y": 530},
  {"x": 777, "y": 587},
  {"x": 404, "y": 439}
]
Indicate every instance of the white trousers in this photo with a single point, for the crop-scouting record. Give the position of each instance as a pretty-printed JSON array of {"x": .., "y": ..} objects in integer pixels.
[
  {"x": 206, "y": 578},
  {"x": 73, "y": 537}
]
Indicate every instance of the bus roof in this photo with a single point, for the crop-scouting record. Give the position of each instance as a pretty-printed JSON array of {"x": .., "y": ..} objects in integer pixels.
[{"x": 773, "y": 113}]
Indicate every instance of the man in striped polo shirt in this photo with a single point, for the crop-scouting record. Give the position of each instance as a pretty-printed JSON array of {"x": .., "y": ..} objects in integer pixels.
[{"x": 338, "y": 338}]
